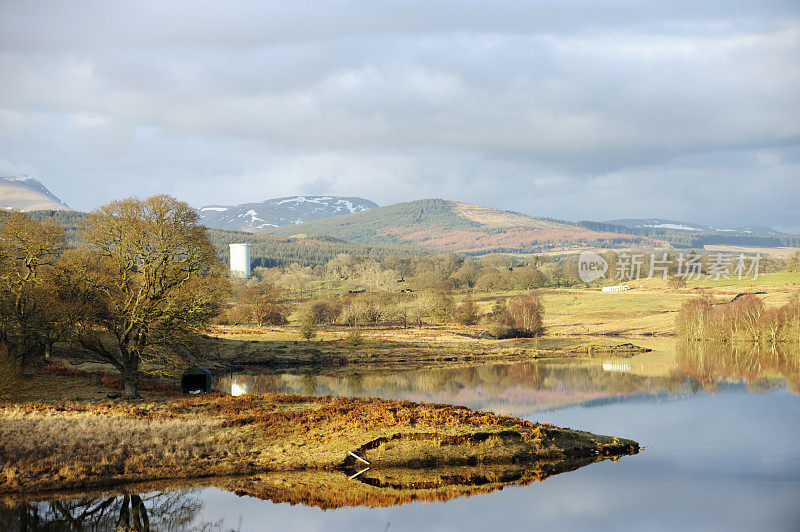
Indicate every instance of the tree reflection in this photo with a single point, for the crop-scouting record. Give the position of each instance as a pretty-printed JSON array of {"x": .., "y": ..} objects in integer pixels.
[
  {"x": 175, "y": 510},
  {"x": 708, "y": 363},
  {"x": 516, "y": 386}
]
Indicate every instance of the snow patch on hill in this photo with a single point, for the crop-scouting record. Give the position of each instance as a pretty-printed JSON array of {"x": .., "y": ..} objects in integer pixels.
[
  {"x": 280, "y": 211},
  {"x": 657, "y": 223}
]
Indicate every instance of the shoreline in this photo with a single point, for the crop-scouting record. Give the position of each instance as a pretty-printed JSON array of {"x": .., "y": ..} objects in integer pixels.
[{"x": 272, "y": 349}]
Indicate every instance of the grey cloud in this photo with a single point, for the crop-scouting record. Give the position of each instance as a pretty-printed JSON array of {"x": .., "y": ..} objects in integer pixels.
[{"x": 569, "y": 104}]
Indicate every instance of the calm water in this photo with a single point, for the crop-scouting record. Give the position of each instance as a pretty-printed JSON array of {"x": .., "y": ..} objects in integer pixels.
[{"x": 720, "y": 430}]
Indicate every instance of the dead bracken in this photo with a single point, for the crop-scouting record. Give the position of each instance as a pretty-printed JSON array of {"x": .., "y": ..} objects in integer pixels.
[{"x": 80, "y": 446}]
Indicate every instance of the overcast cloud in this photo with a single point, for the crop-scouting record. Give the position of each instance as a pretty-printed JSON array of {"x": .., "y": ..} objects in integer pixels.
[{"x": 575, "y": 110}]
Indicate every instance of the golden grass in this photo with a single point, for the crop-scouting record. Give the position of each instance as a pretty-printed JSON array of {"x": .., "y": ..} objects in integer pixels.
[
  {"x": 496, "y": 218},
  {"x": 649, "y": 309},
  {"x": 779, "y": 252}
]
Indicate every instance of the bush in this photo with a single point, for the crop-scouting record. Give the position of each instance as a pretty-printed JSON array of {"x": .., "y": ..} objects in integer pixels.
[
  {"x": 308, "y": 328},
  {"x": 500, "y": 331},
  {"x": 676, "y": 283},
  {"x": 467, "y": 312},
  {"x": 793, "y": 262},
  {"x": 521, "y": 317},
  {"x": 525, "y": 315},
  {"x": 353, "y": 339},
  {"x": 326, "y": 312},
  {"x": 692, "y": 319}
]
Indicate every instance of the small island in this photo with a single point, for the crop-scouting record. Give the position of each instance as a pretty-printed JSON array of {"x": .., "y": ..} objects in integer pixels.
[{"x": 73, "y": 446}]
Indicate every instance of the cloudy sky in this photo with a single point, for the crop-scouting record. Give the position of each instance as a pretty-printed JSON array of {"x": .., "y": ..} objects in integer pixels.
[{"x": 570, "y": 109}]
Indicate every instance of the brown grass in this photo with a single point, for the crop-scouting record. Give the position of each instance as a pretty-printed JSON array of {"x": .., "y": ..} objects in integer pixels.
[{"x": 68, "y": 446}]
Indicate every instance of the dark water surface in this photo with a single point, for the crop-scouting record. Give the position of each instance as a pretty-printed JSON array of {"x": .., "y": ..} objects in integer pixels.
[{"x": 721, "y": 449}]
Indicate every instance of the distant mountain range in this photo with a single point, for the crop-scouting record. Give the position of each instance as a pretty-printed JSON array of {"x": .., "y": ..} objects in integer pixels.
[
  {"x": 28, "y": 194},
  {"x": 436, "y": 224},
  {"x": 659, "y": 223},
  {"x": 691, "y": 235},
  {"x": 278, "y": 212},
  {"x": 459, "y": 227}
]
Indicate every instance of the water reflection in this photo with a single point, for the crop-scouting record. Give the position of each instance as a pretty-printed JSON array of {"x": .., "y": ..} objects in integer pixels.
[
  {"x": 522, "y": 388},
  {"x": 180, "y": 508},
  {"x": 172, "y": 510},
  {"x": 697, "y": 456},
  {"x": 709, "y": 363},
  {"x": 513, "y": 389}
]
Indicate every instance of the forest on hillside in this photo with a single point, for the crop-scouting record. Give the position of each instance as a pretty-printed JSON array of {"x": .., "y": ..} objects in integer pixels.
[{"x": 266, "y": 250}]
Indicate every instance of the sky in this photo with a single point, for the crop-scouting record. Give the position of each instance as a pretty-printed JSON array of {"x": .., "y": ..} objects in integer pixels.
[{"x": 578, "y": 110}]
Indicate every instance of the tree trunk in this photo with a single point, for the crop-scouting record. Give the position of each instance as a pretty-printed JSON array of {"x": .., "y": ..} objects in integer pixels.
[
  {"x": 139, "y": 514},
  {"x": 124, "y": 514},
  {"x": 130, "y": 378}
]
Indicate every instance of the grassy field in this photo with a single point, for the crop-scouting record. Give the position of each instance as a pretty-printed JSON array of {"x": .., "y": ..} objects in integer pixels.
[{"x": 648, "y": 309}]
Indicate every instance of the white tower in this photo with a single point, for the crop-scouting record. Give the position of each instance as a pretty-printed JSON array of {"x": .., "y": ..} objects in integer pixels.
[{"x": 240, "y": 260}]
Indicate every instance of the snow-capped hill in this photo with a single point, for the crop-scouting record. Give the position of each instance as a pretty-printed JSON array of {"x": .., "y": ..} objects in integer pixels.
[
  {"x": 658, "y": 223},
  {"x": 278, "y": 212},
  {"x": 28, "y": 194}
]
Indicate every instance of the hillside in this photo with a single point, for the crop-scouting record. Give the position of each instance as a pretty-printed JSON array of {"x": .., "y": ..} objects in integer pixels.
[
  {"x": 459, "y": 227},
  {"x": 691, "y": 235},
  {"x": 658, "y": 223},
  {"x": 278, "y": 212},
  {"x": 266, "y": 250},
  {"x": 28, "y": 194}
]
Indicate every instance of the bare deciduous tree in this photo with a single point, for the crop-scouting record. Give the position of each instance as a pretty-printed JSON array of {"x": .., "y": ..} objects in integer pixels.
[
  {"x": 28, "y": 251},
  {"x": 150, "y": 274}
]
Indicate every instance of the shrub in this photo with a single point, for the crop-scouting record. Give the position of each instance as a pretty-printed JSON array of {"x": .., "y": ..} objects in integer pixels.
[
  {"x": 693, "y": 317},
  {"x": 308, "y": 328},
  {"x": 793, "y": 262},
  {"x": 326, "y": 312},
  {"x": 353, "y": 339},
  {"x": 525, "y": 315},
  {"x": 676, "y": 283},
  {"x": 467, "y": 312},
  {"x": 521, "y": 317},
  {"x": 500, "y": 331}
]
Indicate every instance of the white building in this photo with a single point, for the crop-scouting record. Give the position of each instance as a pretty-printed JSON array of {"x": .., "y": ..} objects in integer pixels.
[
  {"x": 618, "y": 288},
  {"x": 616, "y": 367},
  {"x": 240, "y": 260}
]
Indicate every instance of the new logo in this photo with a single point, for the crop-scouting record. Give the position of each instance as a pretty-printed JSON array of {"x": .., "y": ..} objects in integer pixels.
[{"x": 591, "y": 266}]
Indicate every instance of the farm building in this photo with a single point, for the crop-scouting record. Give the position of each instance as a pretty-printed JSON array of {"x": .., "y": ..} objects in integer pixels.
[{"x": 618, "y": 288}]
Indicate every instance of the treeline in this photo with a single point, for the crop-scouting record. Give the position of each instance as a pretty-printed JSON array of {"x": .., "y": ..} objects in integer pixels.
[
  {"x": 364, "y": 291},
  {"x": 697, "y": 239},
  {"x": 271, "y": 252},
  {"x": 265, "y": 304},
  {"x": 745, "y": 319},
  {"x": 488, "y": 273}
]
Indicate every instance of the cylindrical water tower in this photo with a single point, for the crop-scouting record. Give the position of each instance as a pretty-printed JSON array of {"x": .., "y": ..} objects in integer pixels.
[{"x": 240, "y": 260}]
